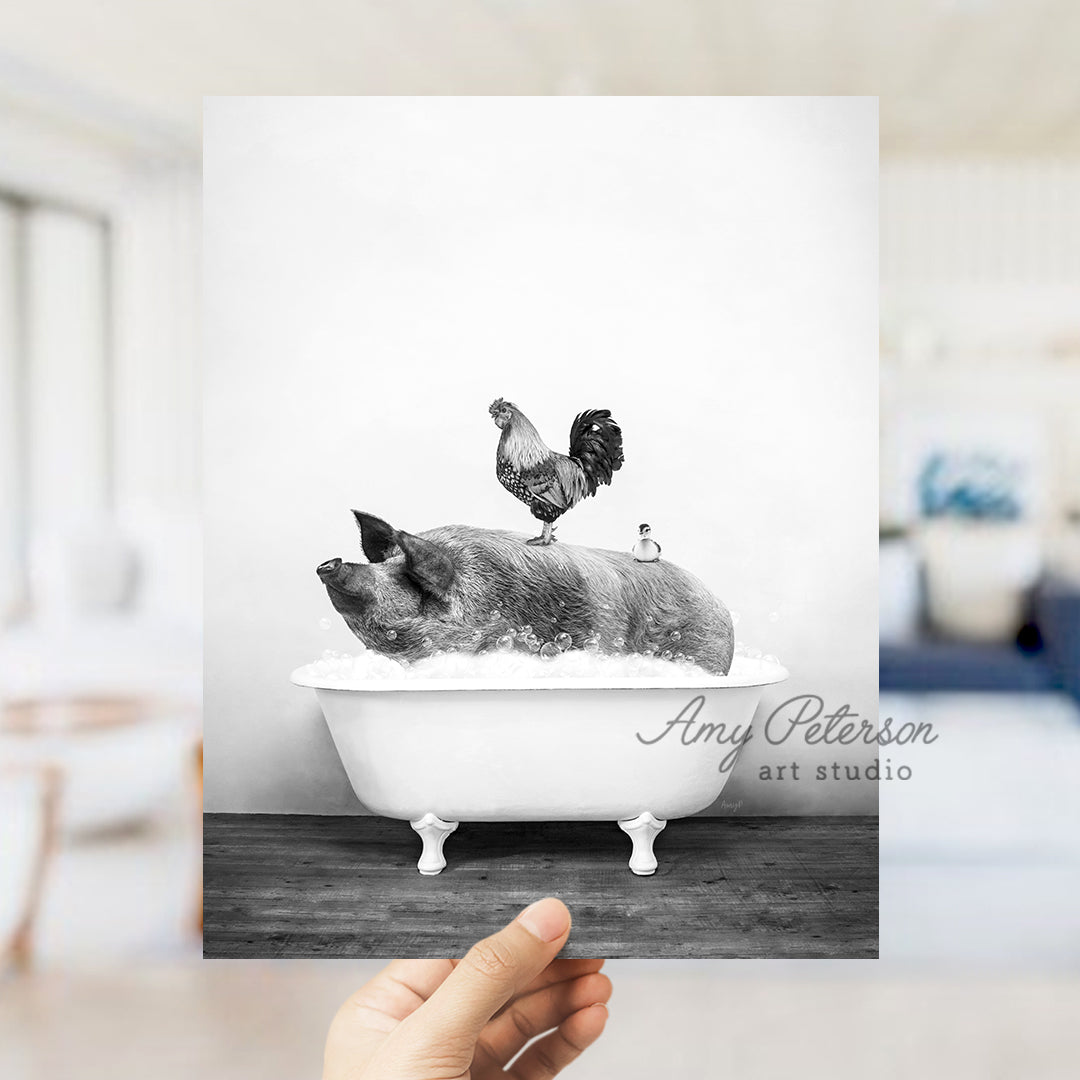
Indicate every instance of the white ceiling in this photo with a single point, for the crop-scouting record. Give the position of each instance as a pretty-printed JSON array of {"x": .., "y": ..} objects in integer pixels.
[{"x": 954, "y": 76}]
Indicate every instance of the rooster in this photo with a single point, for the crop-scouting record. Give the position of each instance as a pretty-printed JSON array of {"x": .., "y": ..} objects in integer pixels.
[{"x": 547, "y": 482}]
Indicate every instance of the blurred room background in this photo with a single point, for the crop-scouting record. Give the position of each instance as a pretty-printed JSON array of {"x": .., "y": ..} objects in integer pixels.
[
  {"x": 100, "y": 112},
  {"x": 980, "y": 554},
  {"x": 100, "y": 550}
]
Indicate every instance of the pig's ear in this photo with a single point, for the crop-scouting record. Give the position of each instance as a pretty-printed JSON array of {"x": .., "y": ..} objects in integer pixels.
[
  {"x": 427, "y": 564},
  {"x": 377, "y": 538}
]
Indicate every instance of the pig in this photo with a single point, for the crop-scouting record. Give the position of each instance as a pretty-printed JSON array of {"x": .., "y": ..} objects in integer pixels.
[{"x": 460, "y": 589}]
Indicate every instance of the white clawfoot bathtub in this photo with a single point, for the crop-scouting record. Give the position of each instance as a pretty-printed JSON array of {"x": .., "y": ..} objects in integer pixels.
[{"x": 443, "y": 751}]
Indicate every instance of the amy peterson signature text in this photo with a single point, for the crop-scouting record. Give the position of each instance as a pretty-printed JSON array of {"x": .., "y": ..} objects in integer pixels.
[{"x": 802, "y": 715}]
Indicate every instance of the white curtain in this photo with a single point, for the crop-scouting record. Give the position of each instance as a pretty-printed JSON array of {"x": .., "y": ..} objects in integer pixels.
[{"x": 67, "y": 381}]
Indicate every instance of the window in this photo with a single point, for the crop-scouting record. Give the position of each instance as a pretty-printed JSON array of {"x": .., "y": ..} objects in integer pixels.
[{"x": 56, "y": 424}]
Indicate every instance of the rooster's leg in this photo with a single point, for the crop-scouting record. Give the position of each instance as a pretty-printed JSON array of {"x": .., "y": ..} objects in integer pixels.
[{"x": 546, "y": 537}]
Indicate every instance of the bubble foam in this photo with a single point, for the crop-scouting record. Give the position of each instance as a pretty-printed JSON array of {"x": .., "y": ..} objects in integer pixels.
[{"x": 548, "y": 664}]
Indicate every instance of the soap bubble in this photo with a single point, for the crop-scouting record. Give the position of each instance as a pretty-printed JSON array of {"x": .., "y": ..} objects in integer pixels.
[
  {"x": 496, "y": 613},
  {"x": 774, "y": 616},
  {"x": 392, "y": 635},
  {"x": 525, "y": 631},
  {"x": 676, "y": 635},
  {"x": 505, "y": 643},
  {"x": 735, "y": 616},
  {"x": 329, "y": 654},
  {"x": 549, "y": 651},
  {"x": 690, "y": 660},
  {"x": 427, "y": 643},
  {"x": 592, "y": 645},
  {"x": 619, "y": 642},
  {"x": 740, "y": 649},
  {"x": 770, "y": 659},
  {"x": 666, "y": 654},
  {"x": 563, "y": 641},
  {"x": 534, "y": 644},
  {"x": 754, "y": 654},
  {"x": 562, "y": 603},
  {"x": 325, "y": 623}
]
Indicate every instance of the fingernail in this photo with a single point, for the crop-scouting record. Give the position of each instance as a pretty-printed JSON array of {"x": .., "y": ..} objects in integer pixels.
[{"x": 547, "y": 919}]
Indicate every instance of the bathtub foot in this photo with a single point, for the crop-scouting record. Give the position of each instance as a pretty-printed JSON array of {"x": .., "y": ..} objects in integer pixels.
[
  {"x": 433, "y": 831},
  {"x": 643, "y": 830}
]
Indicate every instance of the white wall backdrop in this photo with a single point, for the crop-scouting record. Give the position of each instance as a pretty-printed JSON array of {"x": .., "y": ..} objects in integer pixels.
[{"x": 378, "y": 270}]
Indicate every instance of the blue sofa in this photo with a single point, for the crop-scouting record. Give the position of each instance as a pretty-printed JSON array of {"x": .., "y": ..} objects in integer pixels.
[{"x": 1046, "y": 658}]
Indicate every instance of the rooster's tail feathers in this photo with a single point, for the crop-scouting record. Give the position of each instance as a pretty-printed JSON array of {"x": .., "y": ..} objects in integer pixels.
[{"x": 596, "y": 443}]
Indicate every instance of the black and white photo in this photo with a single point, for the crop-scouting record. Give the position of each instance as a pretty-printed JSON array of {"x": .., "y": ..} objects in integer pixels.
[{"x": 536, "y": 430}]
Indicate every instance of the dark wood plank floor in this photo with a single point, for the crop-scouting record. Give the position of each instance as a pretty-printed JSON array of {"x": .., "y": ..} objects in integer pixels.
[{"x": 298, "y": 886}]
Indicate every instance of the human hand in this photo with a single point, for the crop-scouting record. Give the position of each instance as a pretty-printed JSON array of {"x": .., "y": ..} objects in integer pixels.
[{"x": 466, "y": 1019}]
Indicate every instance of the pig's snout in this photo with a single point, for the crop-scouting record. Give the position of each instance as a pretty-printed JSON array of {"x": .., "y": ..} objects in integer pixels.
[
  {"x": 348, "y": 583},
  {"x": 324, "y": 570}
]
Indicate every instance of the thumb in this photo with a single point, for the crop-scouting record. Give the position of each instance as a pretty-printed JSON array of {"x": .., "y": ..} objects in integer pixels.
[{"x": 492, "y": 972}]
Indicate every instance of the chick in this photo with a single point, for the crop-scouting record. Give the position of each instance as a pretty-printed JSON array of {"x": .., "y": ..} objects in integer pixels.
[{"x": 646, "y": 549}]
